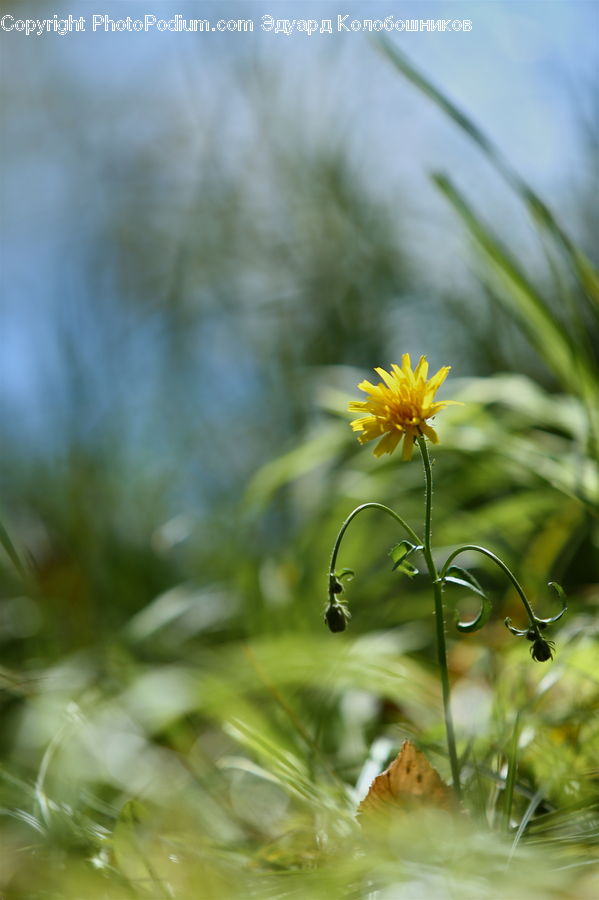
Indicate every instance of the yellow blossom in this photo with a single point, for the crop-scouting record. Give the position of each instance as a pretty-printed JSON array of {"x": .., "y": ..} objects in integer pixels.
[{"x": 399, "y": 407}]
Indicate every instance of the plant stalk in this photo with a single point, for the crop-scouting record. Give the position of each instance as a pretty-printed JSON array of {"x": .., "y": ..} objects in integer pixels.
[
  {"x": 352, "y": 516},
  {"x": 499, "y": 562},
  {"x": 439, "y": 618}
]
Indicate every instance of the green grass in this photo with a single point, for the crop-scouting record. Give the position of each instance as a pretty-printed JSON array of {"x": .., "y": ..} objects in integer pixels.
[{"x": 176, "y": 720}]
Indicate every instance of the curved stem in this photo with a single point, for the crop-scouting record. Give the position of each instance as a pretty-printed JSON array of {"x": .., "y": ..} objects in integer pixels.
[
  {"x": 353, "y": 515},
  {"x": 507, "y": 571},
  {"x": 439, "y": 617}
]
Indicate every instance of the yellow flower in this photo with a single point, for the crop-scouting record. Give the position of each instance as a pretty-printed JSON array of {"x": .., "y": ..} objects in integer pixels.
[{"x": 399, "y": 408}]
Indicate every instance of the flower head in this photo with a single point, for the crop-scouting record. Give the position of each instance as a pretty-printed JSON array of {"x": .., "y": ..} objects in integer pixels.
[{"x": 399, "y": 407}]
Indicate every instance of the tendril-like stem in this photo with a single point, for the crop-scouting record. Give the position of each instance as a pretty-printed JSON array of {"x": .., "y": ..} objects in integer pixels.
[
  {"x": 352, "y": 516},
  {"x": 439, "y": 617},
  {"x": 534, "y": 622}
]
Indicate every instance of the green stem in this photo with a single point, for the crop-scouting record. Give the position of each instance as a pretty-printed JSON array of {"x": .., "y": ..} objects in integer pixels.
[
  {"x": 353, "y": 515},
  {"x": 439, "y": 617},
  {"x": 499, "y": 562}
]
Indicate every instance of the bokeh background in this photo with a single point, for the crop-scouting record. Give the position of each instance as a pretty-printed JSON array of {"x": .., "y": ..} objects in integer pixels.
[{"x": 207, "y": 241}]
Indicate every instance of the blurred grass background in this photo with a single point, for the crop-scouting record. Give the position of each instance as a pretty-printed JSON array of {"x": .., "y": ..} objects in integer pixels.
[{"x": 189, "y": 308}]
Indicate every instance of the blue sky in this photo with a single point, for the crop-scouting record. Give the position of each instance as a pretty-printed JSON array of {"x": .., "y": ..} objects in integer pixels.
[{"x": 75, "y": 106}]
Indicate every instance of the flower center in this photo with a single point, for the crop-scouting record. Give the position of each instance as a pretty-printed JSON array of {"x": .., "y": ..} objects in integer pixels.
[{"x": 403, "y": 412}]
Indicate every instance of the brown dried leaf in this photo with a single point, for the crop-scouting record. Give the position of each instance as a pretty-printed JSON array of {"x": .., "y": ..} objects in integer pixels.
[{"x": 409, "y": 781}]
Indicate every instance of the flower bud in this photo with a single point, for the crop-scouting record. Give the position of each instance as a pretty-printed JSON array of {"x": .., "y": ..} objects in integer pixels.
[
  {"x": 542, "y": 650},
  {"x": 335, "y": 586},
  {"x": 336, "y": 616}
]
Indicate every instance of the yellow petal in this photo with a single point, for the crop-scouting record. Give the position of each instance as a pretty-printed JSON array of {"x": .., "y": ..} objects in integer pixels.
[
  {"x": 359, "y": 424},
  {"x": 388, "y": 443},
  {"x": 437, "y": 380},
  {"x": 421, "y": 370},
  {"x": 434, "y": 408},
  {"x": 430, "y": 433},
  {"x": 367, "y": 387},
  {"x": 370, "y": 426},
  {"x": 408, "y": 447},
  {"x": 398, "y": 375},
  {"x": 387, "y": 377}
]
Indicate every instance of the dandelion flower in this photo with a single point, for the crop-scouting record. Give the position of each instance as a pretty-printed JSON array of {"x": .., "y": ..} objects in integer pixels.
[{"x": 399, "y": 407}]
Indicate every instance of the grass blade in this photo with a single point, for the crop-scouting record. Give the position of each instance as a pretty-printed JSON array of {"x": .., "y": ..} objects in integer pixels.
[
  {"x": 11, "y": 552},
  {"x": 511, "y": 775},
  {"x": 586, "y": 275},
  {"x": 523, "y": 300}
]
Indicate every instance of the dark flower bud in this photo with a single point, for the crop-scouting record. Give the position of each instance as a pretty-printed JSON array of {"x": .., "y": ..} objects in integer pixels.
[
  {"x": 542, "y": 650},
  {"x": 335, "y": 586},
  {"x": 336, "y": 617}
]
